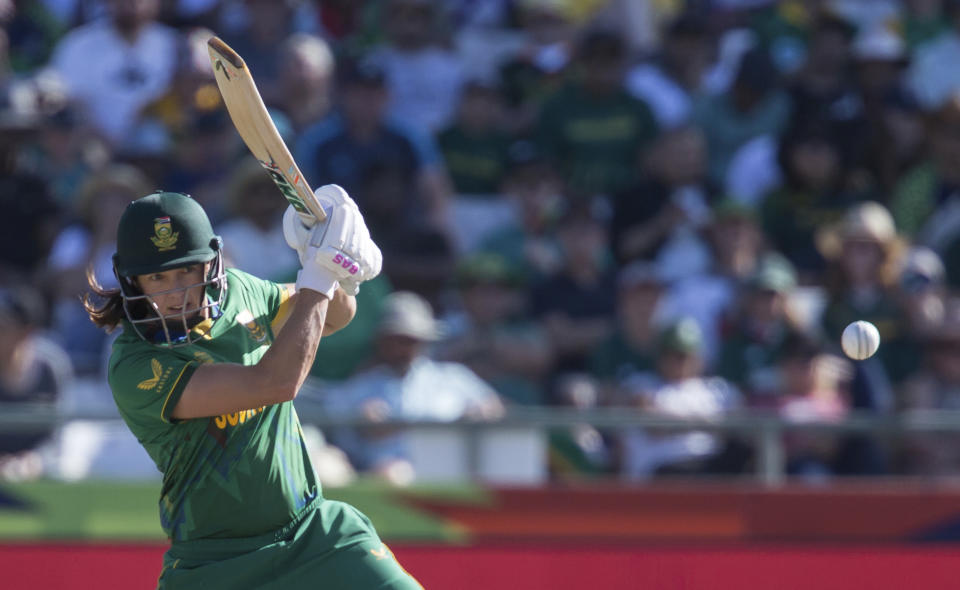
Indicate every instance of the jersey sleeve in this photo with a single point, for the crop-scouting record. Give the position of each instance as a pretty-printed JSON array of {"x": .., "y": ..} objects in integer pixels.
[
  {"x": 273, "y": 298},
  {"x": 147, "y": 384}
]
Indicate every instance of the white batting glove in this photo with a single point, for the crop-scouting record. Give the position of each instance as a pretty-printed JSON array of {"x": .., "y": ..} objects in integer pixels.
[
  {"x": 370, "y": 259},
  {"x": 296, "y": 234},
  {"x": 336, "y": 250}
]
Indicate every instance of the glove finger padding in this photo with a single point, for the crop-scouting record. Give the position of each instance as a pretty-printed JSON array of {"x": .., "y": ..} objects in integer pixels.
[
  {"x": 350, "y": 286},
  {"x": 340, "y": 249},
  {"x": 331, "y": 196},
  {"x": 296, "y": 234}
]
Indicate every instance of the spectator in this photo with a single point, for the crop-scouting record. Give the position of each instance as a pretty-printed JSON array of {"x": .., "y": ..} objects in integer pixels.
[
  {"x": 895, "y": 142},
  {"x": 343, "y": 149},
  {"x": 114, "y": 67},
  {"x": 344, "y": 21},
  {"x": 824, "y": 93},
  {"x": 538, "y": 69},
  {"x": 631, "y": 348},
  {"x": 930, "y": 183},
  {"x": 667, "y": 206},
  {"x": 881, "y": 58},
  {"x": 669, "y": 83},
  {"x": 708, "y": 291},
  {"x": 492, "y": 335},
  {"x": 577, "y": 304},
  {"x": 813, "y": 193},
  {"x": 404, "y": 383},
  {"x": 810, "y": 391},
  {"x": 33, "y": 30},
  {"x": 191, "y": 94},
  {"x": 475, "y": 146},
  {"x": 90, "y": 244},
  {"x": 921, "y": 294},
  {"x": 932, "y": 75},
  {"x": 593, "y": 130},
  {"x": 925, "y": 202},
  {"x": 201, "y": 162},
  {"x": 66, "y": 153},
  {"x": 677, "y": 389},
  {"x": 266, "y": 24},
  {"x": 936, "y": 386},
  {"x": 755, "y": 335},
  {"x": 922, "y": 289},
  {"x": 33, "y": 370},
  {"x": 421, "y": 257},
  {"x": 864, "y": 253},
  {"x": 253, "y": 227},
  {"x": 755, "y": 105},
  {"x": 534, "y": 189},
  {"x": 475, "y": 149},
  {"x": 305, "y": 80},
  {"x": 925, "y": 20},
  {"x": 423, "y": 77},
  {"x": 28, "y": 226}
]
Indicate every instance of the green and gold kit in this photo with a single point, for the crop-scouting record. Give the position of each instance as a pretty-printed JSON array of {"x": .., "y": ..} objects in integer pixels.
[
  {"x": 240, "y": 500},
  {"x": 216, "y": 469}
]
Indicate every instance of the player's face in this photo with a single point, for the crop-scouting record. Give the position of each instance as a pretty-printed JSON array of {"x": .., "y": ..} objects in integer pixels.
[{"x": 176, "y": 292}]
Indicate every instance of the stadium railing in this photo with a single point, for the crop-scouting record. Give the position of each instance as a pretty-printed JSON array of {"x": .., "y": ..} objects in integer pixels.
[{"x": 767, "y": 431}]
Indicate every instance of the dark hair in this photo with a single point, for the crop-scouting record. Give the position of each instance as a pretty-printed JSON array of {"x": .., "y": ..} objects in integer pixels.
[
  {"x": 602, "y": 44},
  {"x": 801, "y": 346},
  {"x": 104, "y": 306},
  {"x": 806, "y": 131},
  {"x": 757, "y": 72},
  {"x": 687, "y": 24}
]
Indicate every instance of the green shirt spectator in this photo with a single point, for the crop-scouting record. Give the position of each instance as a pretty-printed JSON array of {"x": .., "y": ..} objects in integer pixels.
[
  {"x": 474, "y": 148},
  {"x": 755, "y": 106},
  {"x": 757, "y": 333},
  {"x": 592, "y": 128},
  {"x": 631, "y": 349}
]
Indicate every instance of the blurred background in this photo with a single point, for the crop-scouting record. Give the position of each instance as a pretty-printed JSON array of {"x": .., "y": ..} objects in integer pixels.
[{"x": 621, "y": 240}]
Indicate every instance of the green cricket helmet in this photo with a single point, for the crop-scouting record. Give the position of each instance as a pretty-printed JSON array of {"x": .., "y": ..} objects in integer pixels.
[{"x": 160, "y": 232}]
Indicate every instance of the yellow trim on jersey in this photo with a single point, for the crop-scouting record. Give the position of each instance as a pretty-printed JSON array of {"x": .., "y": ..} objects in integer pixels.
[
  {"x": 173, "y": 388},
  {"x": 203, "y": 329},
  {"x": 284, "y": 310}
]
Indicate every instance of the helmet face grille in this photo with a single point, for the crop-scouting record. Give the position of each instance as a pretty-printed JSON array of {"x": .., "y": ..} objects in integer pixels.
[{"x": 175, "y": 330}]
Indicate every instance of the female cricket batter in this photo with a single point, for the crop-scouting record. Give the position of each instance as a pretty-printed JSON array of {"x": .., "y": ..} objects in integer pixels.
[{"x": 204, "y": 377}]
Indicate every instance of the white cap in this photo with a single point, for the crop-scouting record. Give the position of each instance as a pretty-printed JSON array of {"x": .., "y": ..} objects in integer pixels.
[{"x": 408, "y": 314}]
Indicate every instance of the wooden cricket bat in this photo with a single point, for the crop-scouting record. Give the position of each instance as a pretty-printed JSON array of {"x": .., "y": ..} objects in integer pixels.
[{"x": 255, "y": 126}]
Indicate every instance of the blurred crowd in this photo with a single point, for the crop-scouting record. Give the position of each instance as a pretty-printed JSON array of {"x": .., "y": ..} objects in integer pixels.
[{"x": 663, "y": 206}]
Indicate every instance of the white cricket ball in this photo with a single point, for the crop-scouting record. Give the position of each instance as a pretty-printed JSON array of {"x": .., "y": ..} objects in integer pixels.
[{"x": 860, "y": 340}]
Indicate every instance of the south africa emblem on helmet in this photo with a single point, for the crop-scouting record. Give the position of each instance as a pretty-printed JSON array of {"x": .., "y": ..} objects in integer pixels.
[{"x": 164, "y": 237}]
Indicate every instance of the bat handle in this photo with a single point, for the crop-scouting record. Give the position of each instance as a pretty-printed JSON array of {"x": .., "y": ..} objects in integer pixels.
[{"x": 308, "y": 219}]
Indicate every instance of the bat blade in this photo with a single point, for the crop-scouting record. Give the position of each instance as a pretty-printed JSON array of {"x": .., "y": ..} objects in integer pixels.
[{"x": 253, "y": 123}]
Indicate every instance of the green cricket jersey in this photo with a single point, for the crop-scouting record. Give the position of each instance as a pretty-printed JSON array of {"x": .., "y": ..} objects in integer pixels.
[{"x": 236, "y": 475}]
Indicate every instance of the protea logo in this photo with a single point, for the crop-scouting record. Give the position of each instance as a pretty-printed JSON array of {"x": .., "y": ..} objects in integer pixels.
[{"x": 164, "y": 237}]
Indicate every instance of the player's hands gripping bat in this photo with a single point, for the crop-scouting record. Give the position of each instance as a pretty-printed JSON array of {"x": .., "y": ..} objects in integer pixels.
[{"x": 360, "y": 250}]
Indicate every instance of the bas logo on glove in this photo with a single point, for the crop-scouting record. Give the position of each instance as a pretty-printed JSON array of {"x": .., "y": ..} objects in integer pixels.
[{"x": 346, "y": 263}]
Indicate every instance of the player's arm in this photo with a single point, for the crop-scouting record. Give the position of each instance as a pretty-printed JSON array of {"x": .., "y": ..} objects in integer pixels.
[
  {"x": 340, "y": 313},
  {"x": 216, "y": 389},
  {"x": 335, "y": 252}
]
